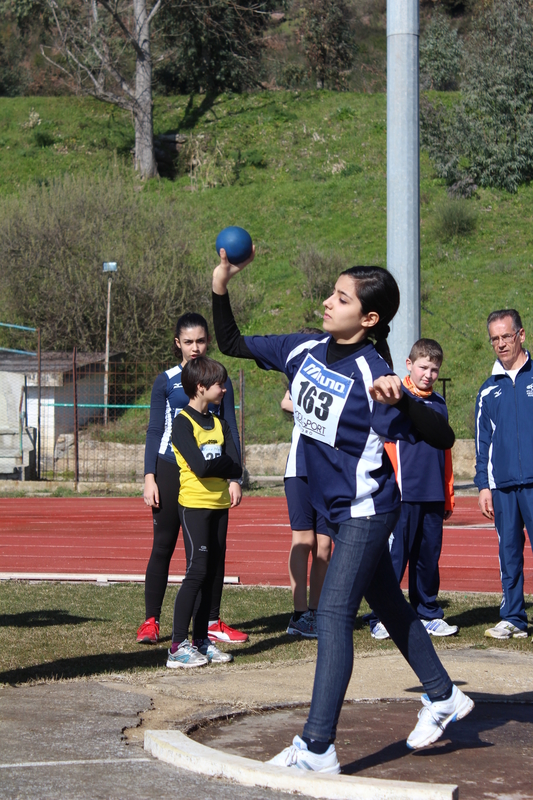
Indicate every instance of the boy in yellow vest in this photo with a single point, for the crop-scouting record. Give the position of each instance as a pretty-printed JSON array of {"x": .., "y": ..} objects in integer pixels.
[{"x": 207, "y": 457}]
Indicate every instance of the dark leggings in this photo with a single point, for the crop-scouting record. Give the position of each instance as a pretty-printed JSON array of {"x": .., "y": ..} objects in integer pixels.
[
  {"x": 166, "y": 529},
  {"x": 204, "y": 537}
]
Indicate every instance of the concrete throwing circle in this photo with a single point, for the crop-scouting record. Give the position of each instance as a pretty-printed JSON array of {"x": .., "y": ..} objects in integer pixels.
[{"x": 489, "y": 754}]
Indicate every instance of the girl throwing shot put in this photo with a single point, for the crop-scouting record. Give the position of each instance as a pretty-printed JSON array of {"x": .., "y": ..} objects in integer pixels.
[{"x": 347, "y": 402}]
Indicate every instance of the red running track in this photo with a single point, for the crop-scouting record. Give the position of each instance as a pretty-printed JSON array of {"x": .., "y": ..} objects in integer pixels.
[{"x": 112, "y": 536}]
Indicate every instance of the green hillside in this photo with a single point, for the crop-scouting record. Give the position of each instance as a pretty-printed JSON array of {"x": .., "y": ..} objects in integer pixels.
[{"x": 298, "y": 170}]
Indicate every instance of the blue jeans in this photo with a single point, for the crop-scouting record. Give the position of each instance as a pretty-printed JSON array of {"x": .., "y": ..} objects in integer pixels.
[{"x": 360, "y": 567}]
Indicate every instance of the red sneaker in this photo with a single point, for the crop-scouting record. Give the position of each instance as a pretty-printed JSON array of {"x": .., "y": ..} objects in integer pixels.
[
  {"x": 148, "y": 633},
  {"x": 220, "y": 632}
]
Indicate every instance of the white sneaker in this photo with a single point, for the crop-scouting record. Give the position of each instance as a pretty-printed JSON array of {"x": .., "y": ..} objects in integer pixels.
[
  {"x": 297, "y": 755},
  {"x": 438, "y": 627},
  {"x": 379, "y": 631},
  {"x": 186, "y": 656},
  {"x": 434, "y": 717},
  {"x": 214, "y": 655},
  {"x": 504, "y": 630}
]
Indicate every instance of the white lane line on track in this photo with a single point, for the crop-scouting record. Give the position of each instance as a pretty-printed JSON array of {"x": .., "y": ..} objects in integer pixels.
[
  {"x": 25, "y": 764},
  {"x": 96, "y": 577},
  {"x": 480, "y": 527}
]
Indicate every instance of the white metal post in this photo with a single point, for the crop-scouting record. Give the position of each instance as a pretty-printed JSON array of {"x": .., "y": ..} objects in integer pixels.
[
  {"x": 106, "y": 374},
  {"x": 403, "y": 173},
  {"x": 110, "y": 267}
]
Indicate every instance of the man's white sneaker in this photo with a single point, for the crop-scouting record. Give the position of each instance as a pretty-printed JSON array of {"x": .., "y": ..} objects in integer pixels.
[
  {"x": 379, "y": 631},
  {"x": 504, "y": 630},
  {"x": 298, "y": 756},
  {"x": 434, "y": 718},
  {"x": 438, "y": 627}
]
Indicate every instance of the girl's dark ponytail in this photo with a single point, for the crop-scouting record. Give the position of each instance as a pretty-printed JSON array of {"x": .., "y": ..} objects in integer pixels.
[{"x": 380, "y": 333}]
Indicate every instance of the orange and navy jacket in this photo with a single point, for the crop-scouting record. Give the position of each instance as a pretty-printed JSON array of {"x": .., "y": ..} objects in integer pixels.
[{"x": 423, "y": 473}]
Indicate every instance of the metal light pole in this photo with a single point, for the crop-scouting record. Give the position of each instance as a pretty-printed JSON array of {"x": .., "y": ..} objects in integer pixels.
[
  {"x": 109, "y": 266},
  {"x": 403, "y": 173}
]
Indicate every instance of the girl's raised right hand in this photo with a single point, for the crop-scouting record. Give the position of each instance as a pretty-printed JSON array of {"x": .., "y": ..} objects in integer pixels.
[{"x": 226, "y": 271}]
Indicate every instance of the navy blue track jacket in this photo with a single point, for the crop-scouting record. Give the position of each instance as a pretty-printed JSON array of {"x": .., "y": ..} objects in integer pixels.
[
  {"x": 343, "y": 429},
  {"x": 504, "y": 429}
]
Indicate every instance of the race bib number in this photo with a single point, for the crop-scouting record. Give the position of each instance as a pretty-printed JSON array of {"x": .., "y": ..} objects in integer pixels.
[
  {"x": 319, "y": 396},
  {"x": 211, "y": 451}
]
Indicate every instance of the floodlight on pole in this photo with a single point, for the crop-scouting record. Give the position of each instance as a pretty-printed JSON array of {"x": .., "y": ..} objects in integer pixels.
[
  {"x": 110, "y": 267},
  {"x": 403, "y": 173}
]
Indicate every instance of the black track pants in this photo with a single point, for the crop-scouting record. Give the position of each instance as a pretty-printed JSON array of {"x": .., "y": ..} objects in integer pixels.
[
  {"x": 204, "y": 537},
  {"x": 166, "y": 529}
]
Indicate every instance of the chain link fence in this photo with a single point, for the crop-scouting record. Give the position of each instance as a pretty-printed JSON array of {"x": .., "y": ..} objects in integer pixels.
[
  {"x": 64, "y": 416},
  {"x": 98, "y": 432}
]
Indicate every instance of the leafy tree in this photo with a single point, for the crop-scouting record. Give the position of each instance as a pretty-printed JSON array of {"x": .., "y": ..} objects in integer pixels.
[
  {"x": 453, "y": 8},
  {"x": 487, "y": 137},
  {"x": 440, "y": 54},
  {"x": 217, "y": 45},
  {"x": 326, "y": 34},
  {"x": 13, "y": 78}
]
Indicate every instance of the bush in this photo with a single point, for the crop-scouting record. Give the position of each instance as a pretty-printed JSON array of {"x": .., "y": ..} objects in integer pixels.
[
  {"x": 487, "y": 137},
  {"x": 440, "y": 55},
  {"x": 293, "y": 76},
  {"x": 455, "y": 217},
  {"x": 53, "y": 240},
  {"x": 320, "y": 271}
]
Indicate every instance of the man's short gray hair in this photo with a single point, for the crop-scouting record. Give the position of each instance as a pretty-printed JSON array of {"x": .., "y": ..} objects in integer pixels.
[{"x": 494, "y": 316}]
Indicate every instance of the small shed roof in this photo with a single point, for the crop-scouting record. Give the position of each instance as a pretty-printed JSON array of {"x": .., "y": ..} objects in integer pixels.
[{"x": 50, "y": 362}]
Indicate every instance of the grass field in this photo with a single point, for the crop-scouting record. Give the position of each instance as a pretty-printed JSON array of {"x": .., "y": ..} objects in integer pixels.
[
  {"x": 298, "y": 170},
  {"x": 55, "y": 631}
]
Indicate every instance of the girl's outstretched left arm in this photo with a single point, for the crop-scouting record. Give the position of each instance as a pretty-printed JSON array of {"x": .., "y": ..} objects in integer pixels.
[{"x": 431, "y": 426}]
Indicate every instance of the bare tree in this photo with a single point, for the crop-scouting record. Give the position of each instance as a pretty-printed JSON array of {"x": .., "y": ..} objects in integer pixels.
[{"x": 103, "y": 49}]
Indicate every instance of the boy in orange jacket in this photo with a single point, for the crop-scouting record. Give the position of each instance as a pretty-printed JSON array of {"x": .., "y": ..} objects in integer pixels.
[{"x": 425, "y": 478}]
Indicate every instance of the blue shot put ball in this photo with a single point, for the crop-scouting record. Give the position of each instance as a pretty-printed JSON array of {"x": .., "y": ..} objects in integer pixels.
[{"x": 236, "y": 242}]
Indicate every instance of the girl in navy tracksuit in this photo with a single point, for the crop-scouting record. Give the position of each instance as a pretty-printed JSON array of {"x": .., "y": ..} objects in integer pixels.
[
  {"x": 162, "y": 478},
  {"x": 347, "y": 402}
]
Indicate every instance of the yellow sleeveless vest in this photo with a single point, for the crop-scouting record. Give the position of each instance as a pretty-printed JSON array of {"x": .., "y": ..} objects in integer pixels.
[{"x": 198, "y": 492}]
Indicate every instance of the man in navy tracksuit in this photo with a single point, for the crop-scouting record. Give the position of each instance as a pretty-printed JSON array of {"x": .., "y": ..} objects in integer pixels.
[{"x": 504, "y": 462}]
